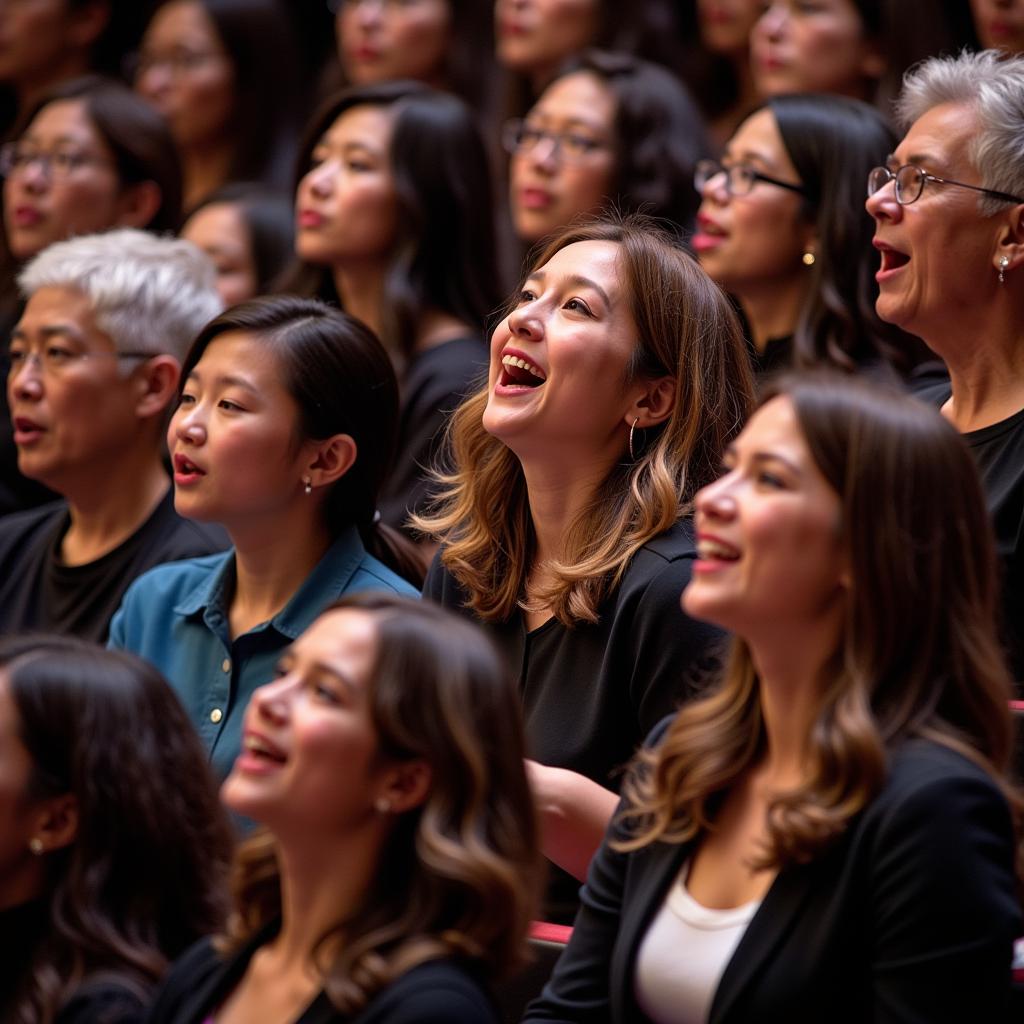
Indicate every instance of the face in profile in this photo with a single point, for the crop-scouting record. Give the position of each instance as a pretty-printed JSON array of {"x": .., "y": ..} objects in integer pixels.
[
  {"x": 73, "y": 399},
  {"x": 752, "y": 244},
  {"x": 564, "y": 163},
  {"x": 999, "y": 24},
  {"x": 186, "y": 74},
  {"x": 62, "y": 181},
  {"x": 346, "y": 207},
  {"x": 560, "y": 360},
  {"x": 309, "y": 760},
  {"x": 819, "y": 47},
  {"x": 769, "y": 549},
  {"x": 234, "y": 438},
  {"x": 725, "y": 25},
  {"x": 383, "y": 42},
  {"x": 535, "y": 36},
  {"x": 220, "y": 230}
]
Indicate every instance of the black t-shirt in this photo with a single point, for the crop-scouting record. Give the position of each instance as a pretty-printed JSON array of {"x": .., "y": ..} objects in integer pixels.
[
  {"x": 998, "y": 451},
  {"x": 435, "y": 382},
  {"x": 593, "y": 692},
  {"x": 39, "y": 592}
]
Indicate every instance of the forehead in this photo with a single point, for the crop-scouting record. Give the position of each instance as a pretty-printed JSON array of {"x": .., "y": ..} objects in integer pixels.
[
  {"x": 775, "y": 428},
  {"x": 596, "y": 260},
  {"x": 218, "y": 222},
  {"x": 63, "y": 119},
  {"x": 367, "y": 125},
  {"x": 940, "y": 136},
  {"x": 243, "y": 355},
  {"x": 758, "y": 135},
  {"x": 61, "y": 307},
  {"x": 580, "y": 96},
  {"x": 345, "y": 638},
  {"x": 182, "y": 22}
]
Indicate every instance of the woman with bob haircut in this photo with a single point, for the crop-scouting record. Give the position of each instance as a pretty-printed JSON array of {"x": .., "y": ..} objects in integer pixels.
[
  {"x": 779, "y": 227},
  {"x": 830, "y": 833},
  {"x": 396, "y": 873},
  {"x": 114, "y": 848},
  {"x": 948, "y": 210},
  {"x": 609, "y": 130},
  {"x": 284, "y": 430},
  {"x": 616, "y": 380},
  {"x": 394, "y": 224}
]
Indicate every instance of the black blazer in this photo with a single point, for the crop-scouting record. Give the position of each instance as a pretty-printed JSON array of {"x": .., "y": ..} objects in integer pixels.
[
  {"x": 910, "y": 917},
  {"x": 436, "y": 992}
]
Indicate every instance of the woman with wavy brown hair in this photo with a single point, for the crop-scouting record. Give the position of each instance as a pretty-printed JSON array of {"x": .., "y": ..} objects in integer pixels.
[
  {"x": 616, "y": 379},
  {"x": 396, "y": 874},
  {"x": 113, "y": 848},
  {"x": 830, "y": 834}
]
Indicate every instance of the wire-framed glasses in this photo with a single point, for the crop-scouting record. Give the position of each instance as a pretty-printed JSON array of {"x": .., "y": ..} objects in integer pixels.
[{"x": 910, "y": 181}]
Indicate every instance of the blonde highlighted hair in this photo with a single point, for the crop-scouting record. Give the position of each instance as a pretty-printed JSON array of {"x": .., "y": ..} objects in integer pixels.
[{"x": 687, "y": 330}]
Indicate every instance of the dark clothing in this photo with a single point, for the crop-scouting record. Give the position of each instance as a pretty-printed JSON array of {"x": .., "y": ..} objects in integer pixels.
[
  {"x": 39, "y": 592},
  {"x": 436, "y": 992},
  {"x": 434, "y": 383},
  {"x": 908, "y": 918},
  {"x": 593, "y": 692},
  {"x": 998, "y": 451}
]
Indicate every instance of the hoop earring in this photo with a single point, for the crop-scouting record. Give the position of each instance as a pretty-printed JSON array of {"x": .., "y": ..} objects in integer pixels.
[
  {"x": 1004, "y": 262},
  {"x": 632, "y": 453},
  {"x": 309, "y": 486}
]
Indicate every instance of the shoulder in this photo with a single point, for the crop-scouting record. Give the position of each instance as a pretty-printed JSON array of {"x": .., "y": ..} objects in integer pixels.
[
  {"x": 447, "y": 370},
  {"x": 173, "y": 580},
  {"x": 17, "y": 528},
  {"x": 103, "y": 1002},
  {"x": 372, "y": 574},
  {"x": 436, "y": 992},
  {"x": 662, "y": 567},
  {"x": 193, "y": 971}
]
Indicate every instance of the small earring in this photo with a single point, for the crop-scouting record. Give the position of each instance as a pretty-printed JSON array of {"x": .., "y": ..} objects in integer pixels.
[
  {"x": 1004, "y": 262},
  {"x": 382, "y": 805},
  {"x": 35, "y": 844},
  {"x": 309, "y": 486},
  {"x": 808, "y": 258},
  {"x": 632, "y": 454}
]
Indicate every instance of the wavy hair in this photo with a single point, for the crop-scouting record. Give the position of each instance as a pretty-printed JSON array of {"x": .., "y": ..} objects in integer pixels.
[
  {"x": 106, "y": 728},
  {"x": 918, "y": 656},
  {"x": 460, "y": 874},
  {"x": 687, "y": 330}
]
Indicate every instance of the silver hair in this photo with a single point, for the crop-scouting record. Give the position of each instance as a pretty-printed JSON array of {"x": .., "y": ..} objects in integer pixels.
[
  {"x": 992, "y": 85},
  {"x": 148, "y": 294}
]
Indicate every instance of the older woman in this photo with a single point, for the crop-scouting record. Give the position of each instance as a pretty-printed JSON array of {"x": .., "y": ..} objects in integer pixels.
[{"x": 949, "y": 213}]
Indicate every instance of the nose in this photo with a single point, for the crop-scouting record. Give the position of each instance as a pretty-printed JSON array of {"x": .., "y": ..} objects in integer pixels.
[
  {"x": 715, "y": 188},
  {"x": 272, "y": 701},
  {"x": 716, "y": 501},
  {"x": 772, "y": 22},
  {"x": 189, "y": 426},
  {"x": 26, "y": 380},
  {"x": 882, "y": 204},
  {"x": 524, "y": 322},
  {"x": 320, "y": 179},
  {"x": 369, "y": 13},
  {"x": 544, "y": 155}
]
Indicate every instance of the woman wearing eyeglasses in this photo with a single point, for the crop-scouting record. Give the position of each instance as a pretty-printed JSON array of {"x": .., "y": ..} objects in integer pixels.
[
  {"x": 780, "y": 227},
  {"x": 948, "y": 213},
  {"x": 610, "y": 130}
]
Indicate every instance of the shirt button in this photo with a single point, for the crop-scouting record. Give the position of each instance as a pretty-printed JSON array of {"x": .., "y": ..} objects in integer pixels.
[
  {"x": 216, "y": 715},
  {"x": 225, "y": 665}
]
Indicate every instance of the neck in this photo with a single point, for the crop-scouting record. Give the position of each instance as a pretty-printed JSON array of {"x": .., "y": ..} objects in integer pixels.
[
  {"x": 774, "y": 311},
  {"x": 204, "y": 169},
  {"x": 361, "y": 291},
  {"x": 108, "y": 504}
]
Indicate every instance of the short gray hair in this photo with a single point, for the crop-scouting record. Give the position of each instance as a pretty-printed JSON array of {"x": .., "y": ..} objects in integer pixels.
[
  {"x": 149, "y": 294},
  {"x": 992, "y": 85}
]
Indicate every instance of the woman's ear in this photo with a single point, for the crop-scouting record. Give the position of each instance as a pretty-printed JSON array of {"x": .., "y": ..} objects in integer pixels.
[
  {"x": 137, "y": 205},
  {"x": 56, "y": 822},
  {"x": 332, "y": 459},
  {"x": 405, "y": 786},
  {"x": 654, "y": 405}
]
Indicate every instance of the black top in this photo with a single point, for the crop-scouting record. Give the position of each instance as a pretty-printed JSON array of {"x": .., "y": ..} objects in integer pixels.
[
  {"x": 593, "y": 692},
  {"x": 436, "y": 992},
  {"x": 39, "y": 592},
  {"x": 998, "y": 451},
  {"x": 908, "y": 918},
  {"x": 434, "y": 383}
]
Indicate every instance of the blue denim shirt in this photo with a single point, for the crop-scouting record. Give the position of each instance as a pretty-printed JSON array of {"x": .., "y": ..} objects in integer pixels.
[{"x": 176, "y": 616}]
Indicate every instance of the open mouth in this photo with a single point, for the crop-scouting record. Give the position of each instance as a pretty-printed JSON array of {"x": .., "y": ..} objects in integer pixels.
[
  {"x": 893, "y": 260},
  {"x": 256, "y": 748},
  {"x": 519, "y": 373},
  {"x": 715, "y": 551},
  {"x": 186, "y": 466}
]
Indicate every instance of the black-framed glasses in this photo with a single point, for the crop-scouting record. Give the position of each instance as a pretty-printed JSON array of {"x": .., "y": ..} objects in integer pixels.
[
  {"x": 739, "y": 178},
  {"x": 518, "y": 136},
  {"x": 910, "y": 181},
  {"x": 17, "y": 157}
]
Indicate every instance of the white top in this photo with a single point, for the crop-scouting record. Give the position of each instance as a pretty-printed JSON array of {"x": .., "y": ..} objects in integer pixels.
[{"x": 683, "y": 955}]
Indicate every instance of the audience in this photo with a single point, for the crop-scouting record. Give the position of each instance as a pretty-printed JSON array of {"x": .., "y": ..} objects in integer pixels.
[
  {"x": 828, "y": 835},
  {"x": 284, "y": 430},
  {"x": 115, "y": 849},
  {"x": 393, "y": 223},
  {"x": 248, "y": 232},
  {"x": 999, "y": 24},
  {"x": 948, "y": 207},
  {"x": 95, "y": 361},
  {"x": 397, "y": 871},
  {"x": 781, "y": 228},
  {"x": 616, "y": 380}
]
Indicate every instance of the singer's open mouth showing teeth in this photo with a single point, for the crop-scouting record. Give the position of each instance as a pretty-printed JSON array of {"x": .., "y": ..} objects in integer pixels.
[
  {"x": 517, "y": 372},
  {"x": 713, "y": 550}
]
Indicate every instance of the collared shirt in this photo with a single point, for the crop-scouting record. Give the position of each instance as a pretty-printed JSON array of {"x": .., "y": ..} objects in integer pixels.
[{"x": 177, "y": 617}]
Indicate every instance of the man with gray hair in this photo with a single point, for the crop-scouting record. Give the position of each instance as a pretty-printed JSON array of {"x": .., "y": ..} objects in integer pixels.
[{"x": 95, "y": 362}]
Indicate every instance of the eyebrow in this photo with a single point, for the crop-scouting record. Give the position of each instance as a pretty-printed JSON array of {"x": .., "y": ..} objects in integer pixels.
[
  {"x": 225, "y": 380},
  {"x": 766, "y": 456},
  {"x": 50, "y": 331},
  {"x": 576, "y": 279}
]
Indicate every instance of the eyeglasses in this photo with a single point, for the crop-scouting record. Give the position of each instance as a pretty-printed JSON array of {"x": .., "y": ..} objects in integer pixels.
[
  {"x": 910, "y": 182},
  {"x": 178, "y": 61},
  {"x": 17, "y": 157},
  {"x": 518, "y": 136},
  {"x": 53, "y": 360},
  {"x": 739, "y": 178}
]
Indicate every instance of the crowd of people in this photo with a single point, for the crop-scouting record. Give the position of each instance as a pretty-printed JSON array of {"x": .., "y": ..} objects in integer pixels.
[{"x": 468, "y": 464}]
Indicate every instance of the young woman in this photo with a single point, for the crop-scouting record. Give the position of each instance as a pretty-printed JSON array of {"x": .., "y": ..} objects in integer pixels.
[
  {"x": 393, "y": 222},
  {"x": 827, "y": 836},
  {"x": 780, "y": 228},
  {"x": 113, "y": 847},
  {"x": 610, "y": 130},
  {"x": 223, "y": 74},
  {"x": 397, "y": 872},
  {"x": 284, "y": 430},
  {"x": 616, "y": 380}
]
